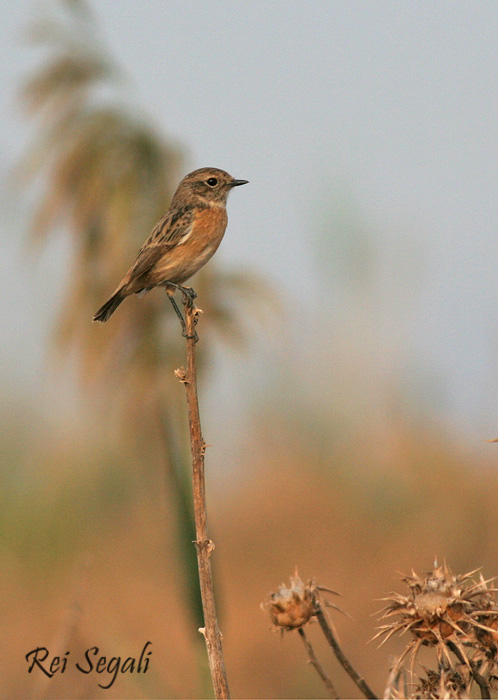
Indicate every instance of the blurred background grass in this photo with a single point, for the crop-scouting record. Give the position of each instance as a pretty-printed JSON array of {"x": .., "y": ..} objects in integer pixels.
[{"x": 333, "y": 453}]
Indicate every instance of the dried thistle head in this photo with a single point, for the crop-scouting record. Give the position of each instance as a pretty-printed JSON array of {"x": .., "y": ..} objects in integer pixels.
[
  {"x": 291, "y": 607},
  {"x": 445, "y": 611},
  {"x": 443, "y": 685}
]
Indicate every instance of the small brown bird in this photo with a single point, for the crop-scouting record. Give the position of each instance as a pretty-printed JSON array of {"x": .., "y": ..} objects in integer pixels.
[{"x": 182, "y": 241}]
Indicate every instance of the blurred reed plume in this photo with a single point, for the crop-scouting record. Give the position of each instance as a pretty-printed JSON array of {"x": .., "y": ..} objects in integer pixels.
[
  {"x": 103, "y": 175},
  {"x": 106, "y": 175}
]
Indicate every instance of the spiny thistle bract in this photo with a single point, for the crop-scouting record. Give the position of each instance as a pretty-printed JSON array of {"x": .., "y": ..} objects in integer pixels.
[{"x": 457, "y": 615}]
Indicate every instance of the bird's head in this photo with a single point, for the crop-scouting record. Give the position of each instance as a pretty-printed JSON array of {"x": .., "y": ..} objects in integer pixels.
[{"x": 207, "y": 185}]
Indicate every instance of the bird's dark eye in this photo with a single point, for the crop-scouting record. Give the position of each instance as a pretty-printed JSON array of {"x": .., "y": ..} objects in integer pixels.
[{"x": 212, "y": 182}]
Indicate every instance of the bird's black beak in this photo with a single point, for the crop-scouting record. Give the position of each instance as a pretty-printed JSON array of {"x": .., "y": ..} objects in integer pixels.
[{"x": 236, "y": 183}]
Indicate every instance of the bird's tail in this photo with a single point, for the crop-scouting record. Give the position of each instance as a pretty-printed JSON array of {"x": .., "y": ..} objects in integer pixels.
[{"x": 105, "y": 311}]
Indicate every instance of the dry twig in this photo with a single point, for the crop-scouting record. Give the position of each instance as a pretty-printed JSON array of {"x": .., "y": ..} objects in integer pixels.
[
  {"x": 317, "y": 665},
  {"x": 330, "y": 637},
  {"x": 203, "y": 544}
]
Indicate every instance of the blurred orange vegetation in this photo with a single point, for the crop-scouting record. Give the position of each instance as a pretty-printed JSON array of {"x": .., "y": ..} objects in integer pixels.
[{"x": 112, "y": 527}]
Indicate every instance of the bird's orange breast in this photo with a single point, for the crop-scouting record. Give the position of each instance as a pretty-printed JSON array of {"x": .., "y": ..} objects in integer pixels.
[
  {"x": 209, "y": 224},
  {"x": 187, "y": 257}
]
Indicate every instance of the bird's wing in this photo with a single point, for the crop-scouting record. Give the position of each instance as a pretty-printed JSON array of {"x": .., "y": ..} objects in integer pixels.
[
  {"x": 147, "y": 258},
  {"x": 174, "y": 225},
  {"x": 167, "y": 233}
]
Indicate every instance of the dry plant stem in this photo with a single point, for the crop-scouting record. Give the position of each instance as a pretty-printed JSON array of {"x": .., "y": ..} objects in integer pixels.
[
  {"x": 317, "y": 665},
  {"x": 203, "y": 544},
  {"x": 329, "y": 636},
  {"x": 481, "y": 682}
]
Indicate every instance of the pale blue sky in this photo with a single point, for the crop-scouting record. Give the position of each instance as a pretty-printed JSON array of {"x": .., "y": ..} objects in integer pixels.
[{"x": 395, "y": 103}]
